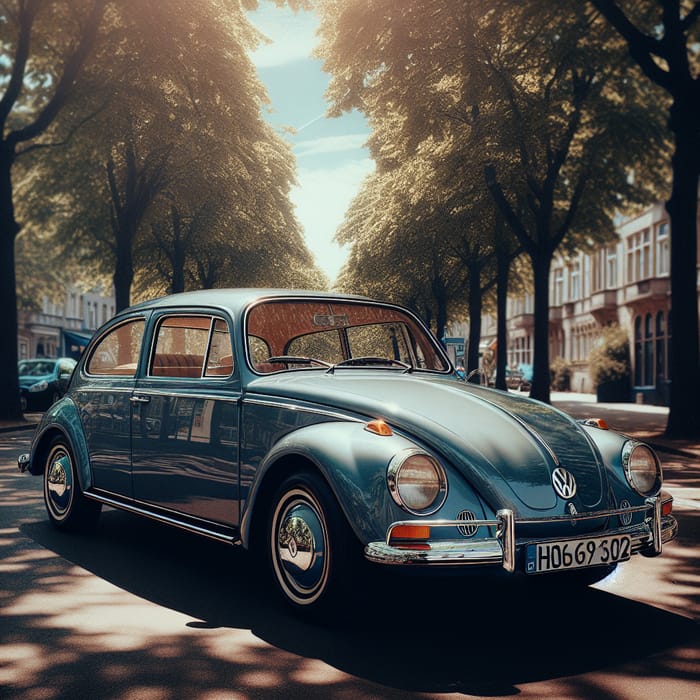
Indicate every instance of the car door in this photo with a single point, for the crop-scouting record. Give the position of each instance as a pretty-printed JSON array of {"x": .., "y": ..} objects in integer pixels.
[
  {"x": 102, "y": 398},
  {"x": 185, "y": 420}
]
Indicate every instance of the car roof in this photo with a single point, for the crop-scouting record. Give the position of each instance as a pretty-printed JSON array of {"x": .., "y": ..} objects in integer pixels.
[{"x": 234, "y": 300}]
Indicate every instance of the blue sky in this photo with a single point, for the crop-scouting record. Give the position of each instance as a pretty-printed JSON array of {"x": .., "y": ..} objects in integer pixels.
[{"x": 331, "y": 158}]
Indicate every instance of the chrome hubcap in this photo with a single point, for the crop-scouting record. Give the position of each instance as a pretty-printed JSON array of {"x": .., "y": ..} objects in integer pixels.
[
  {"x": 300, "y": 547},
  {"x": 59, "y": 483}
]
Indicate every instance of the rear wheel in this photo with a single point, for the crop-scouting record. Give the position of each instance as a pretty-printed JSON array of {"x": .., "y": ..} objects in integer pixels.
[
  {"x": 67, "y": 507},
  {"x": 309, "y": 545}
]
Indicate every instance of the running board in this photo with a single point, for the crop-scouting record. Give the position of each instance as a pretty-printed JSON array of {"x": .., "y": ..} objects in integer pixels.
[{"x": 226, "y": 535}]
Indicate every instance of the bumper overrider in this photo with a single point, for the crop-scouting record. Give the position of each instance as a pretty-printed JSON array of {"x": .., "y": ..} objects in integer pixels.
[{"x": 647, "y": 537}]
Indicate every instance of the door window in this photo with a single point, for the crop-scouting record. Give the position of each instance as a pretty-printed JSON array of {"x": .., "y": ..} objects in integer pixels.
[
  {"x": 192, "y": 347},
  {"x": 117, "y": 353}
]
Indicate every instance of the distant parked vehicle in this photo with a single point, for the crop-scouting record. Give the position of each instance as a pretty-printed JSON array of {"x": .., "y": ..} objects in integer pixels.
[{"x": 42, "y": 382}]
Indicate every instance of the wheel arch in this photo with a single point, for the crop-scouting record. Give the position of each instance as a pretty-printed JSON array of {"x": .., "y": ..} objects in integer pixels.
[
  {"x": 352, "y": 462},
  {"x": 63, "y": 422}
]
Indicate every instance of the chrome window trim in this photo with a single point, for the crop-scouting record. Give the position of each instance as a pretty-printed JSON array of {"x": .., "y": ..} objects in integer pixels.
[
  {"x": 330, "y": 299},
  {"x": 95, "y": 341},
  {"x": 213, "y": 316}
]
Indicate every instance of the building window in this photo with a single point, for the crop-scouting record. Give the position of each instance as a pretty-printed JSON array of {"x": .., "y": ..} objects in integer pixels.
[
  {"x": 638, "y": 363},
  {"x": 639, "y": 256},
  {"x": 663, "y": 256},
  {"x": 611, "y": 267},
  {"x": 558, "y": 286},
  {"x": 661, "y": 369},
  {"x": 648, "y": 351},
  {"x": 652, "y": 343},
  {"x": 575, "y": 281}
]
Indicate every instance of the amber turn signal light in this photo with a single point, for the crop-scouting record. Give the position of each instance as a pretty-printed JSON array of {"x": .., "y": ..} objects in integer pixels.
[
  {"x": 410, "y": 532},
  {"x": 379, "y": 427}
]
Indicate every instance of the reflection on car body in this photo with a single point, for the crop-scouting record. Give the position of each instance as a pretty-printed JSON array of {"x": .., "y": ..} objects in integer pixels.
[{"x": 320, "y": 429}]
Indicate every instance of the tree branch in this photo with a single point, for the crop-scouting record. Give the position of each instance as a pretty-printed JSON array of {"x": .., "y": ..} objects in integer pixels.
[
  {"x": 26, "y": 16},
  {"x": 70, "y": 73},
  {"x": 641, "y": 46}
]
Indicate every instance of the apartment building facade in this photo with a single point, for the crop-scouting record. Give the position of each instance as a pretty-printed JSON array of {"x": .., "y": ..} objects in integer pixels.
[
  {"x": 63, "y": 329},
  {"x": 626, "y": 282}
]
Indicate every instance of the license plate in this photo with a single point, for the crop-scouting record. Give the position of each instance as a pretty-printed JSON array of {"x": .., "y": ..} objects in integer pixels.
[{"x": 576, "y": 554}]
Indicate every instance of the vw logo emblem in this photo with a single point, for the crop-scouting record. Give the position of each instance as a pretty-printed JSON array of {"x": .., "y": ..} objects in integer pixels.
[
  {"x": 625, "y": 518},
  {"x": 564, "y": 483}
]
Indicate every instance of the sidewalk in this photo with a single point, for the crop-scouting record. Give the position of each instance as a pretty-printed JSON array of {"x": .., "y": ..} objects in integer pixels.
[{"x": 641, "y": 421}]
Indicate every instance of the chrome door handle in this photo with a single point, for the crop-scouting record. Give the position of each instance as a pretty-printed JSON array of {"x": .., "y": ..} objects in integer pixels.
[{"x": 140, "y": 399}]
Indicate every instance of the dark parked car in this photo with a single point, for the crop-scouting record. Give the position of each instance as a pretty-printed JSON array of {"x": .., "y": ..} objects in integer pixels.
[
  {"x": 43, "y": 381},
  {"x": 317, "y": 429}
]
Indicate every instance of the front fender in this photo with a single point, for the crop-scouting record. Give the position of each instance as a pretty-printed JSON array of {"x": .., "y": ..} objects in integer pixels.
[
  {"x": 610, "y": 444},
  {"x": 62, "y": 418},
  {"x": 353, "y": 462}
]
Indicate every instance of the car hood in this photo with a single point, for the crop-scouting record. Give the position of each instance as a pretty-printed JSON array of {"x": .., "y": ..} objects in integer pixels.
[{"x": 505, "y": 445}]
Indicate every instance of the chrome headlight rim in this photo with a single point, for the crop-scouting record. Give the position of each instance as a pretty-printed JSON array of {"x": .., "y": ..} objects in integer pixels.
[
  {"x": 628, "y": 450},
  {"x": 393, "y": 481}
]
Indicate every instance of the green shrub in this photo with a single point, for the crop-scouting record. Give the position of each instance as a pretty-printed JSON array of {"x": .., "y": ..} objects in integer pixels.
[
  {"x": 560, "y": 375},
  {"x": 609, "y": 360}
]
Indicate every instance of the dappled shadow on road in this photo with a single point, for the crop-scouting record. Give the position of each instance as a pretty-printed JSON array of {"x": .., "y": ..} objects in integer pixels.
[
  {"x": 483, "y": 641},
  {"x": 138, "y": 610}
]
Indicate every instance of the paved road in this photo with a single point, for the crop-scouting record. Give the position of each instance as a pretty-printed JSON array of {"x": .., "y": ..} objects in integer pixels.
[{"x": 138, "y": 611}]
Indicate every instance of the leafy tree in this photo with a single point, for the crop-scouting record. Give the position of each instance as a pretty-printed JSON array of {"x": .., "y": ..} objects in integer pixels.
[
  {"x": 663, "y": 40},
  {"x": 64, "y": 62},
  {"x": 528, "y": 97}
]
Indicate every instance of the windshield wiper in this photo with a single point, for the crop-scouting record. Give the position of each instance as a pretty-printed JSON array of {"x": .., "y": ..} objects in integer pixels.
[
  {"x": 298, "y": 360},
  {"x": 370, "y": 362}
]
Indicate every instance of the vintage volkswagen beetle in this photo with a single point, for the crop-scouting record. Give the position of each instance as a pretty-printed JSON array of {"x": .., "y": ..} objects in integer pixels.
[{"x": 316, "y": 428}]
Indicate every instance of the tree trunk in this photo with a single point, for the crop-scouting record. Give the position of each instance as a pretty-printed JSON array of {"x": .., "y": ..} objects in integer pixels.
[
  {"x": 502, "y": 269},
  {"x": 177, "y": 283},
  {"x": 684, "y": 416},
  {"x": 540, "y": 368},
  {"x": 474, "y": 302},
  {"x": 9, "y": 383},
  {"x": 123, "y": 270}
]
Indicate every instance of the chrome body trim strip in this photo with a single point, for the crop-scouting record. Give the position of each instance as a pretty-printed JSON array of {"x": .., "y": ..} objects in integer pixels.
[
  {"x": 163, "y": 518},
  {"x": 276, "y": 403}
]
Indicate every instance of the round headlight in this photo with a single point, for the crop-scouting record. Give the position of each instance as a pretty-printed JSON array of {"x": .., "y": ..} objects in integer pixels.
[
  {"x": 417, "y": 482},
  {"x": 642, "y": 468}
]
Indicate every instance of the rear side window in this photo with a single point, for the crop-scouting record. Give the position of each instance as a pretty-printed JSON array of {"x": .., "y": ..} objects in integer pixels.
[
  {"x": 192, "y": 347},
  {"x": 117, "y": 353}
]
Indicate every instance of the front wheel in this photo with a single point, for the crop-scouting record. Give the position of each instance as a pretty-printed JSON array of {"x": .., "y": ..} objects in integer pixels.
[
  {"x": 66, "y": 505},
  {"x": 309, "y": 544}
]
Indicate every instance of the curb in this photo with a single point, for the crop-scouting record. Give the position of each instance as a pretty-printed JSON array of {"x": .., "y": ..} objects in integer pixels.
[{"x": 15, "y": 428}]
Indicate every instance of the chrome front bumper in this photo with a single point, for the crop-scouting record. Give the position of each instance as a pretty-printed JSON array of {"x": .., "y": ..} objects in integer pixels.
[{"x": 647, "y": 538}]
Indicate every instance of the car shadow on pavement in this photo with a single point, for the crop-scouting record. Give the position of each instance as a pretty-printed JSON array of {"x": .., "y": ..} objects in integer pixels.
[{"x": 408, "y": 634}]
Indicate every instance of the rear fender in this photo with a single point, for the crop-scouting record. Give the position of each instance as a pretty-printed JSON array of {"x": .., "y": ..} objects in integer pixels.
[{"x": 62, "y": 419}]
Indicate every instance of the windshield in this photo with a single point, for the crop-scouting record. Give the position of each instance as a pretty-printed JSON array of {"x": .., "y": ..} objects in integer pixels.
[
  {"x": 294, "y": 334},
  {"x": 35, "y": 368}
]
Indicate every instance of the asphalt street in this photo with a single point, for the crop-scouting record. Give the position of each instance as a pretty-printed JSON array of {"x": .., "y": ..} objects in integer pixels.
[{"x": 140, "y": 611}]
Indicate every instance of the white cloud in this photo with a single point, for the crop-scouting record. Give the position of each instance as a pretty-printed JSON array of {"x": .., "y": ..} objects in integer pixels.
[
  {"x": 321, "y": 200},
  {"x": 330, "y": 144}
]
